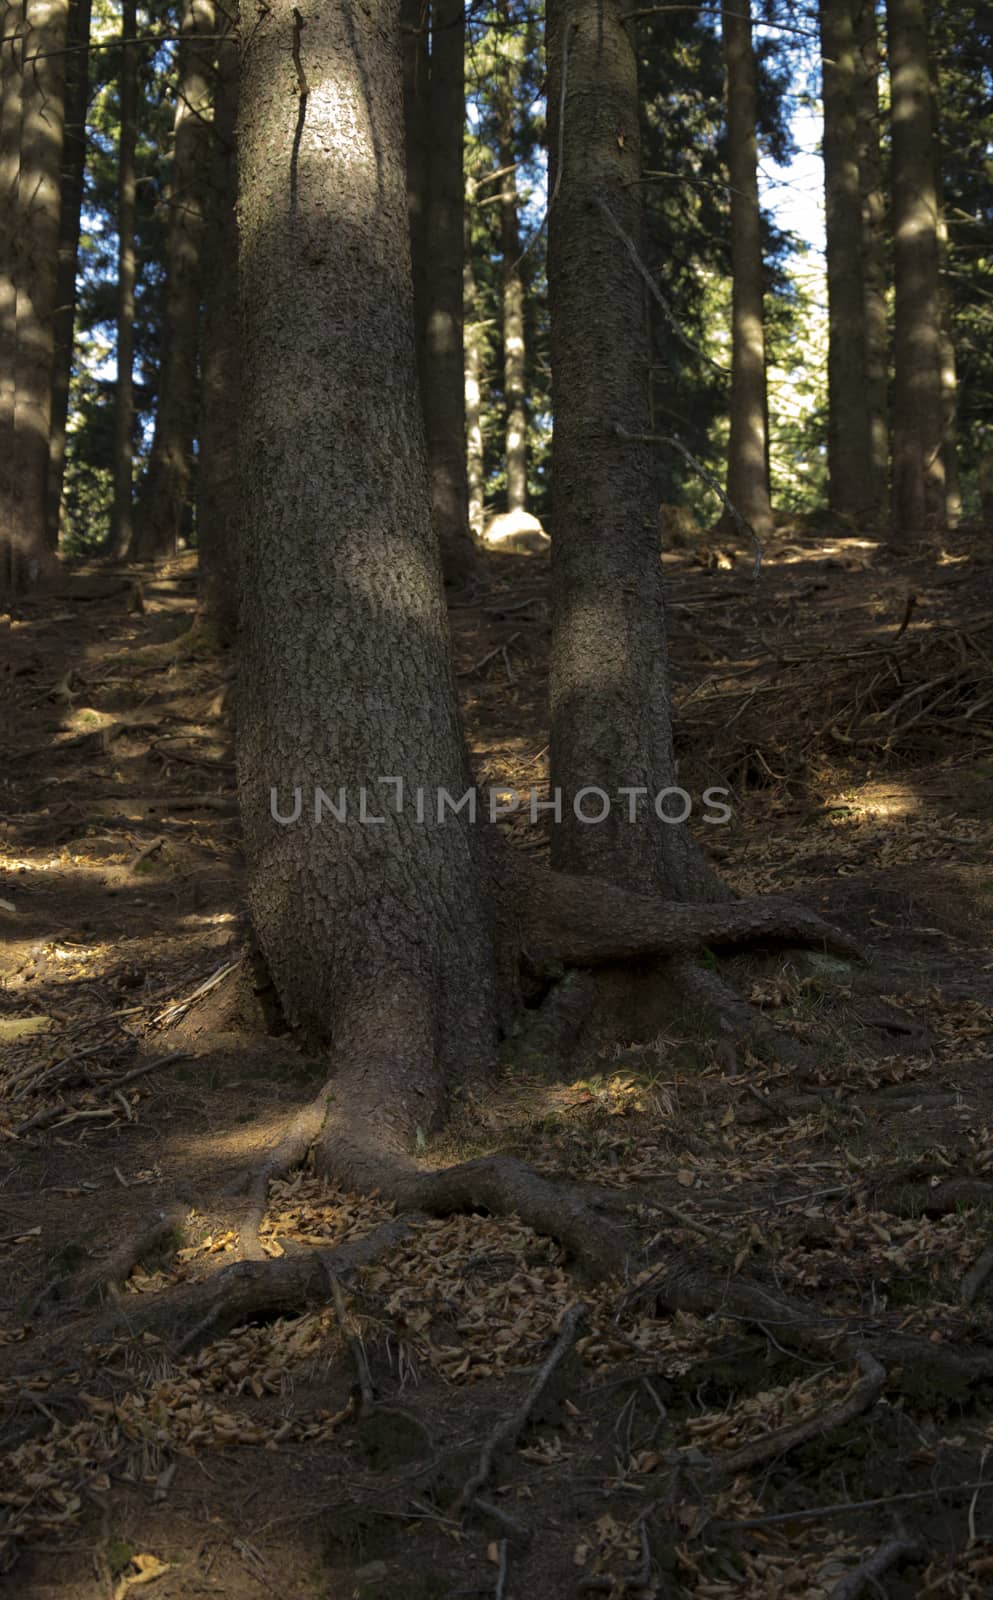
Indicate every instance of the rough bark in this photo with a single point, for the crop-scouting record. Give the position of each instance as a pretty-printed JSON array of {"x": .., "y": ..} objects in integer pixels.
[
  {"x": 166, "y": 491},
  {"x": 867, "y": 123},
  {"x": 443, "y": 366},
  {"x": 474, "y": 459},
  {"x": 748, "y": 473},
  {"x": 946, "y": 345},
  {"x": 849, "y": 461},
  {"x": 918, "y": 468},
  {"x": 396, "y": 937},
  {"x": 415, "y": 29},
  {"x": 375, "y": 934},
  {"x": 10, "y": 161},
  {"x": 217, "y": 484},
  {"x": 609, "y": 687},
  {"x": 512, "y": 278},
  {"x": 37, "y": 249},
  {"x": 121, "y": 526},
  {"x": 73, "y": 171}
]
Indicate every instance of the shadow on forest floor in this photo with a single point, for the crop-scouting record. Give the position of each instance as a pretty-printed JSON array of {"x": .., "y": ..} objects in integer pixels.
[{"x": 706, "y": 1451}]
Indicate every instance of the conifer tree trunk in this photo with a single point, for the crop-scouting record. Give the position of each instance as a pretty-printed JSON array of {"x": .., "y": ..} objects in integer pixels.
[
  {"x": 849, "y": 460},
  {"x": 443, "y": 363},
  {"x": 609, "y": 686},
  {"x": 166, "y": 491},
  {"x": 873, "y": 249},
  {"x": 121, "y": 523},
  {"x": 415, "y": 29},
  {"x": 918, "y": 467},
  {"x": 384, "y": 937},
  {"x": 748, "y": 475},
  {"x": 512, "y": 279},
  {"x": 946, "y": 337},
  {"x": 375, "y": 935},
  {"x": 218, "y": 496},
  {"x": 11, "y": 38},
  {"x": 39, "y": 193},
  {"x": 73, "y": 172}
]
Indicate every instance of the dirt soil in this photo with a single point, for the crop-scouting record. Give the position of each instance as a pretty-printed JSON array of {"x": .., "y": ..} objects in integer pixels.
[{"x": 659, "y": 1435}]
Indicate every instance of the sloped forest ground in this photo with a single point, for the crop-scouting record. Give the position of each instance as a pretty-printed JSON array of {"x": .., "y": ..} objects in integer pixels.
[{"x": 790, "y": 1393}]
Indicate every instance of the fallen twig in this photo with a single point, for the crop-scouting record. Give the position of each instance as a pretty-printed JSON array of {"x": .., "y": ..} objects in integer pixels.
[
  {"x": 65, "y": 1109},
  {"x": 145, "y": 852},
  {"x": 171, "y": 1013},
  {"x": 976, "y": 1276},
  {"x": 865, "y": 1577},
  {"x": 484, "y": 661},
  {"x": 507, "y": 1432},
  {"x": 367, "y": 1397},
  {"x": 842, "y": 1508},
  {"x": 501, "y": 1583}
]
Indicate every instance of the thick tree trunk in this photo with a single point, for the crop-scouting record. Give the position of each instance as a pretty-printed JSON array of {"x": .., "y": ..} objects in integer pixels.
[
  {"x": 375, "y": 933},
  {"x": 609, "y": 686},
  {"x": 512, "y": 279},
  {"x": 73, "y": 172},
  {"x": 121, "y": 526},
  {"x": 11, "y": 70},
  {"x": 474, "y": 457},
  {"x": 39, "y": 194},
  {"x": 918, "y": 468},
  {"x": 748, "y": 472},
  {"x": 849, "y": 461},
  {"x": 415, "y": 26},
  {"x": 381, "y": 924},
  {"x": 218, "y": 491},
  {"x": 443, "y": 365},
  {"x": 166, "y": 491},
  {"x": 873, "y": 249}
]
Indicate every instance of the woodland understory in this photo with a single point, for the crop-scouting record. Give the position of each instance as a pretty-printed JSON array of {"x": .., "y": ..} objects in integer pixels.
[{"x": 687, "y": 1297}]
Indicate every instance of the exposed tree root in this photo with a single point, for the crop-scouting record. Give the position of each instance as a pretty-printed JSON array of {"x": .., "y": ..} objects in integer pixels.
[
  {"x": 499, "y": 1184},
  {"x": 691, "y": 1286},
  {"x": 193, "y": 1314},
  {"x": 585, "y": 922},
  {"x": 773, "y": 1445},
  {"x": 152, "y": 1236}
]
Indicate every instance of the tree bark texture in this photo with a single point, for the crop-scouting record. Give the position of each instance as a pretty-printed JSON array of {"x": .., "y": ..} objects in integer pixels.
[
  {"x": 748, "y": 469},
  {"x": 73, "y": 172},
  {"x": 849, "y": 459},
  {"x": 375, "y": 933},
  {"x": 443, "y": 367},
  {"x": 433, "y": 43},
  {"x": 609, "y": 685},
  {"x": 166, "y": 491},
  {"x": 918, "y": 467},
  {"x": 218, "y": 489},
  {"x": 36, "y": 230},
  {"x": 873, "y": 198},
  {"x": 11, "y": 45}
]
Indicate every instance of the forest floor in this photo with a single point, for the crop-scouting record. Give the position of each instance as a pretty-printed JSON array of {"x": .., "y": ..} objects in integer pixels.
[{"x": 846, "y": 698}]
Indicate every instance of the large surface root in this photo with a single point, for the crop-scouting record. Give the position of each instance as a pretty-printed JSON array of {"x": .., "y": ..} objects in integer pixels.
[
  {"x": 586, "y": 921},
  {"x": 193, "y": 1314}
]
